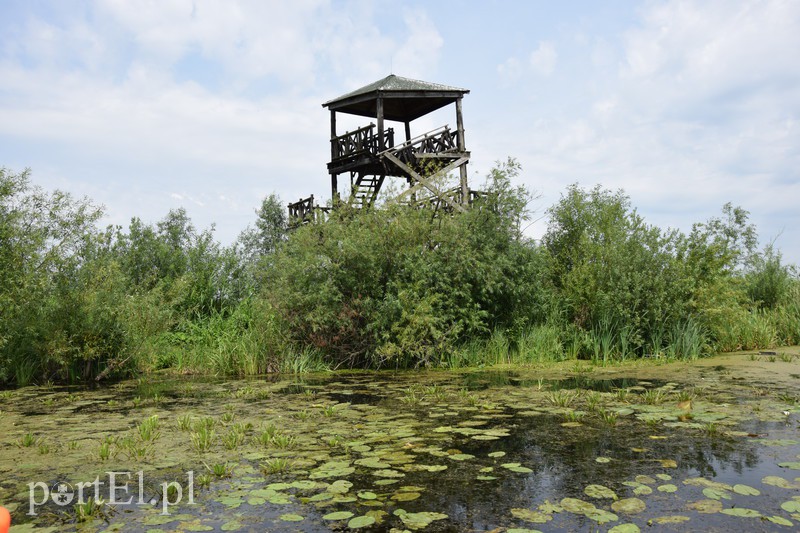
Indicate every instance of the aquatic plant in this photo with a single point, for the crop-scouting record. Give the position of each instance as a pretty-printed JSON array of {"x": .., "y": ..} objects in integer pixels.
[
  {"x": 561, "y": 398},
  {"x": 27, "y": 440},
  {"x": 653, "y": 396},
  {"x": 44, "y": 447},
  {"x": 685, "y": 395},
  {"x": 90, "y": 509},
  {"x": 622, "y": 394},
  {"x": 329, "y": 411},
  {"x": 135, "y": 449},
  {"x": 265, "y": 437},
  {"x": 203, "y": 438},
  {"x": 105, "y": 451},
  {"x": 276, "y": 465},
  {"x": 574, "y": 416},
  {"x": 608, "y": 417},
  {"x": 302, "y": 415},
  {"x": 203, "y": 481},
  {"x": 184, "y": 422},
  {"x": 220, "y": 470},
  {"x": 207, "y": 423},
  {"x": 281, "y": 440},
  {"x": 592, "y": 399},
  {"x": 147, "y": 429},
  {"x": 233, "y": 439},
  {"x": 227, "y": 417}
]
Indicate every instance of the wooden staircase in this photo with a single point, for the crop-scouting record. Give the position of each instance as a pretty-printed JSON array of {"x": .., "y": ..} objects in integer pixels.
[{"x": 364, "y": 190}]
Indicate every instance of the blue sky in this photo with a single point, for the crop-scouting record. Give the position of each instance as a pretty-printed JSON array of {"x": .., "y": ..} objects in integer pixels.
[{"x": 145, "y": 106}]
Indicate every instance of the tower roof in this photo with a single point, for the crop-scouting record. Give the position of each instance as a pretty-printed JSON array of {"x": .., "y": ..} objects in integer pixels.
[{"x": 404, "y": 99}]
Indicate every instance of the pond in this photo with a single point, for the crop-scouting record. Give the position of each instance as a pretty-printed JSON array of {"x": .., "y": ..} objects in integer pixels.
[{"x": 710, "y": 446}]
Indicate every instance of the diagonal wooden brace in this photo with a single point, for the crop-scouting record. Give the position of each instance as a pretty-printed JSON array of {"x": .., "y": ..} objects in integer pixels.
[{"x": 425, "y": 182}]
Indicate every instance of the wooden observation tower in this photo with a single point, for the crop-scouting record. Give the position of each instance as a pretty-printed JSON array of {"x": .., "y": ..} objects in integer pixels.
[{"x": 370, "y": 154}]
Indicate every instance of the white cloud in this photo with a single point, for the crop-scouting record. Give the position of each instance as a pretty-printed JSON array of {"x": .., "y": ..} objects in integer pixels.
[{"x": 544, "y": 58}]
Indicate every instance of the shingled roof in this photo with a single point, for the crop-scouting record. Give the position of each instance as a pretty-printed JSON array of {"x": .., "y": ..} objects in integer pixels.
[{"x": 404, "y": 99}]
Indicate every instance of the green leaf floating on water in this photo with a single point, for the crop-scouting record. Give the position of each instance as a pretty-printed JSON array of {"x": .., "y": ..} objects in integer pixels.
[
  {"x": 530, "y": 515},
  {"x": 625, "y": 528},
  {"x": 741, "y": 511},
  {"x": 290, "y": 517},
  {"x": 367, "y": 495},
  {"x": 669, "y": 487},
  {"x": 497, "y": 454},
  {"x": 461, "y": 456},
  {"x": 574, "y": 505},
  {"x": 603, "y": 460},
  {"x": 406, "y": 496},
  {"x": 671, "y": 519},
  {"x": 716, "y": 494},
  {"x": 779, "y": 520},
  {"x": 793, "y": 465},
  {"x": 600, "y": 492},
  {"x": 338, "y": 515},
  {"x": 777, "y": 481},
  {"x": 629, "y": 506},
  {"x": 601, "y": 516},
  {"x": 792, "y": 506},
  {"x": 233, "y": 525},
  {"x": 745, "y": 490},
  {"x": 418, "y": 520},
  {"x": 706, "y": 506},
  {"x": 361, "y": 521}
]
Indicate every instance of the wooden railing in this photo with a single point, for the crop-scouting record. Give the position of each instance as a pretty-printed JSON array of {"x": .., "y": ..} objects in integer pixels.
[
  {"x": 361, "y": 141},
  {"x": 304, "y": 211},
  {"x": 436, "y": 142}
]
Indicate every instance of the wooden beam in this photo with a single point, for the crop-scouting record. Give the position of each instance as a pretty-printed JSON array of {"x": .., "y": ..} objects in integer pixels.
[
  {"x": 462, "y": 148},
  {"x": 379, "y": 112},
  {"x": 425, "y": 182}
]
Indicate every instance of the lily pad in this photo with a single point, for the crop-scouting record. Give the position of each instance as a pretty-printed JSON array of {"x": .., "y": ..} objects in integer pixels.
[
  {"x": 361, "y": 521},
  {"x": 745, "y": 490},
  {"x": 291, "y": 517},
  {"x": 716, "y": 494},
  {"x": 601, "y": 516},
  {"x": 706, "y": 506},
  {"x": 406, "y": 496},
  {"x": 625, "y": 528},
  {"x": 629, "y": 506},
  {"x": 497, "y": 454},
  {"x": 671, "y": 519},
  {"x": 779, "y": 520},
  {"x": 419, "y": 520},
  {"x": 529, "y": 515},
  {"x": 792, "y": 506},
  {"x": 793, "y": 465},
  {"x": 574, "y": 505},
  {"x": 603, "y": 460},
  {"x": 600, "y": 492},
  {"x": 669, "y": 487},
  {"x": 777, "y": 481},
  {"x": 743, "y": 512},
  {"x": 338, "y": 515}
]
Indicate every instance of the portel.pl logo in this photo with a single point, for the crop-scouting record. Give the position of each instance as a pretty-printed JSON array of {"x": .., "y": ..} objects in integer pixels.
[{"x": 116, "y": 491}]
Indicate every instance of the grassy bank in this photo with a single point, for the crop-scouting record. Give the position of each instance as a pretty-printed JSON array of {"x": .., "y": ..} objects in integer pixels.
[{"x": 393, "y": 287}]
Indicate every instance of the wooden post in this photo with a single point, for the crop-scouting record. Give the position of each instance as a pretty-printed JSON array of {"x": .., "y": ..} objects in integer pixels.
[
  {"x": 408, "y": 131},
  {"x": 379, "y": 112},
  {"x": 334, "y": 180},
  {"x": 462, "y": 149}
]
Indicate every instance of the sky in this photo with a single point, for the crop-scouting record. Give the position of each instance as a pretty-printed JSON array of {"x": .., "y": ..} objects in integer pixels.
[{"x": 211, "y": 105}]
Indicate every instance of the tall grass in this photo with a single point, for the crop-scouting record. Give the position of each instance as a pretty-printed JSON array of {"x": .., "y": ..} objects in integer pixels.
[{"x": 539, "y": 344}]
